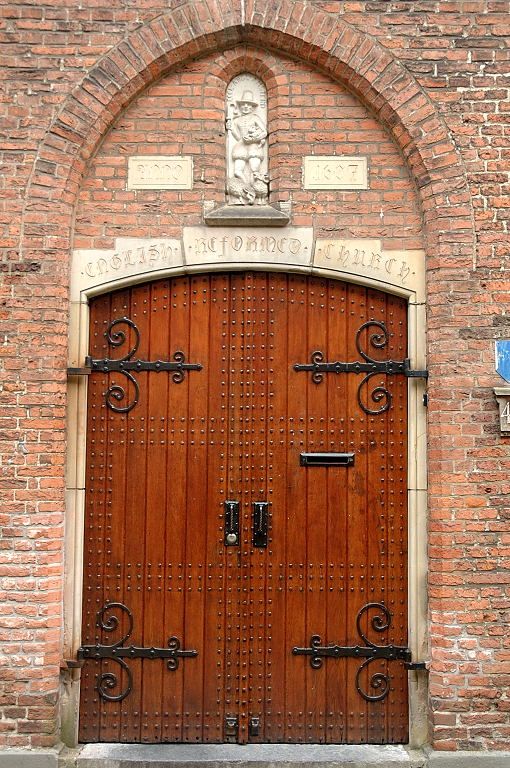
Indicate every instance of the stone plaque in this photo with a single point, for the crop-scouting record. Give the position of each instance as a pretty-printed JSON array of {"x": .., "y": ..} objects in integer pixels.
[
  {"x": 160, "y": 172},
  {"x": 131, "y": 257},
  {"x": 366, "y": 258},
  {"x": 249, "y": 245},
  {"x": 333, "y": 172}
]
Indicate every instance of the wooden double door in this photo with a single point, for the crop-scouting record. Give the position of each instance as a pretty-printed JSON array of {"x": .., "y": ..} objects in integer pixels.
[{"x": 245, "y": 518}]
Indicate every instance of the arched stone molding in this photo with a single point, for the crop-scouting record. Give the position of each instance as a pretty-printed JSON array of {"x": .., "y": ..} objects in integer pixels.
[{"x": 202, "y": 26}]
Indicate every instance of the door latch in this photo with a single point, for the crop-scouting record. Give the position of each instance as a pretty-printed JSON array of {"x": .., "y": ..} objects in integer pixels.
[
  {"x": 254, "y": 726},
  {"x": 231, "y": 523},
  {"x": 231, "y": 729},
  {"x": 260, "y": 523}
]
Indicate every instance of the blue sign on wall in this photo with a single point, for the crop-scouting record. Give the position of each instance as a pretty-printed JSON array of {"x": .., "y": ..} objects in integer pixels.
[{"x": 503, "y": 359}]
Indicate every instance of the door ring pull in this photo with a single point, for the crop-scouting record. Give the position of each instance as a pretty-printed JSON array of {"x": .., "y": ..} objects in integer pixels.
[
  {"x": 231, "y": 523},
  {"x": 260, "y": 523}
]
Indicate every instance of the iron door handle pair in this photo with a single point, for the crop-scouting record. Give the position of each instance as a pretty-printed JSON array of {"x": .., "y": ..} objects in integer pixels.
[{"x": 260, "y": 522}]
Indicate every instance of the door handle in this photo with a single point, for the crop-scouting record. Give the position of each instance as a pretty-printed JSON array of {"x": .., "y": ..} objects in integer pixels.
[
  {"x": 231, "y": 523},
  {"x": 260, "y": 523}
]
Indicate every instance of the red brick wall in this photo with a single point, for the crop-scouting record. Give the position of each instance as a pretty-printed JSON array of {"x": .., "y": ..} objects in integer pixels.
[
  {"x": 449, "y": 118},
  {"x": 184, "y": 113}
]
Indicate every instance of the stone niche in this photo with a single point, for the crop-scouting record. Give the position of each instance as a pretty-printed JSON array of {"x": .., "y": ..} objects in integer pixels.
[{"x": 247, "y": 161}]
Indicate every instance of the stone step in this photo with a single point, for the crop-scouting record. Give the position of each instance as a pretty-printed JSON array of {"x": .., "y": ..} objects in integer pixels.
[{"x": 246, "y": 756}]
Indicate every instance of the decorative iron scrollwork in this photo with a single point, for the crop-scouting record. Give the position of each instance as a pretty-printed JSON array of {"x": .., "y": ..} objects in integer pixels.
[
  {"x": 108, "y": 621},
  {"x": 117, "y": 337},
  {"x": 379, "y": 395},
  {"x": 380, "y": 622}
]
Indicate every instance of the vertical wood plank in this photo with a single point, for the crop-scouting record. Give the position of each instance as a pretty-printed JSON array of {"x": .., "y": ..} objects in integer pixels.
[
  {"x": 336, "y": 545},
  {"x": 297, "y": 630},
  {"x": 260, "y": 333},
  {"x": 316, "y": 523},
  {"x": 195, "y": 670},
  {"x": 155, "y": 675},
  {"x": 277, "y": 651},
  {"x": 235, "y": 567},
  {"x": 215, "y": 618},
  {"x": 117, "y": 467},
  {"x": 136, "y": 511},
  {"x": 177, "y": 470},
  {"x": 95, "y": 510}
]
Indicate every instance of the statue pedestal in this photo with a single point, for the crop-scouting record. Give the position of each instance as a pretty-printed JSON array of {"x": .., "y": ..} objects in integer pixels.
[{"x": 246, "y": 216}]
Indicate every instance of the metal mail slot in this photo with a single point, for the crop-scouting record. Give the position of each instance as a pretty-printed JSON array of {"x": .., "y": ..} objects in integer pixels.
[{"x": 326, "y": 459}]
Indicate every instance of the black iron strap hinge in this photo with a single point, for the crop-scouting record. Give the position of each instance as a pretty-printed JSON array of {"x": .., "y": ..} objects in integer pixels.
[
  {"x": 416, "y": 666},
  {"x": 368, "y": 365},
  {"x": 317, "y": 652},
  {"x": 389, "y": 367},
  {"x": 126, "y": 365},
  {"x": 380, "y": 621},
  {"x": 108, "y": 621},
  {"x": 76, "y": 371}
]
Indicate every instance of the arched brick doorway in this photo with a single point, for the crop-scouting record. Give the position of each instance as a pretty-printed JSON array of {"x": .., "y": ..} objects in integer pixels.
[{"x": 368, "y": 70}]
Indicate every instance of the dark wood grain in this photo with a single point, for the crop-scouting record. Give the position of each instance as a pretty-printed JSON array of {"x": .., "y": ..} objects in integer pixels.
[{"x": 157, "y": 478}]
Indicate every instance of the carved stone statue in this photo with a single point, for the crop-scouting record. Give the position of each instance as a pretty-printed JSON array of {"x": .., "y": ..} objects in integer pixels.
[{"x": 247, "y": 179}]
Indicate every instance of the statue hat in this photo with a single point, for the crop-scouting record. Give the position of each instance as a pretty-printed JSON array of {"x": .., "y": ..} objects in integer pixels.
[{"x": 247, "y": 98}]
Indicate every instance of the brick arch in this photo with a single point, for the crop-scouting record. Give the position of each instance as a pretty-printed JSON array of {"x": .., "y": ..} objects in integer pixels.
[
  {"x": 196, "y": 28},
  {"x": 246, "y": 58}
]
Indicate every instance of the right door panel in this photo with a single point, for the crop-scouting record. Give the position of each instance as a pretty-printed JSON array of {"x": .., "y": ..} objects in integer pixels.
[{"x": 336, "y": 561}]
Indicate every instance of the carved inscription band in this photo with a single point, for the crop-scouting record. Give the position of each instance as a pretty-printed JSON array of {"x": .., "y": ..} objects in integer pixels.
[{"x": 134, "y": 259}]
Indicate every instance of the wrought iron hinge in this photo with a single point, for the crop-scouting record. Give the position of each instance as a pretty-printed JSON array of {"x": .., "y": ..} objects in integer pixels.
[
  {"x": 413, "y": 373},
  {"x": 126, "y": 365},
  {"x": 79, "y": 371},
  {"x": 368, "y": 365},
  {"x": 68, "y": 664},
  {"x": 118, "y": 652},
  {"x": 416, "y": 665},
  {"x": 379, "y": 681}
]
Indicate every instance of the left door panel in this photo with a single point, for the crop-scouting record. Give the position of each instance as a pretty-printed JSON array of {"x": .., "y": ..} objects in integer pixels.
[{"x": 155, "y": 486}]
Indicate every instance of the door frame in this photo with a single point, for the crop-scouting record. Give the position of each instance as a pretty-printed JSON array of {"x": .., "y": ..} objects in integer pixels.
[{"x": 408, "y": 282}]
